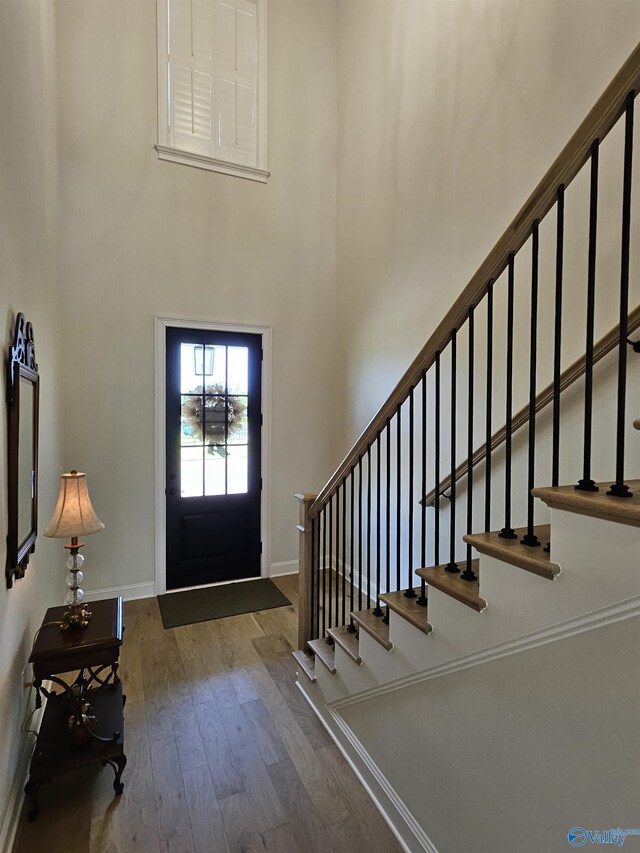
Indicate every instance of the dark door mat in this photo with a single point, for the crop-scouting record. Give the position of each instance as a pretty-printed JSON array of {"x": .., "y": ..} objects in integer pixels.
[{"x": 216, "y": 602}]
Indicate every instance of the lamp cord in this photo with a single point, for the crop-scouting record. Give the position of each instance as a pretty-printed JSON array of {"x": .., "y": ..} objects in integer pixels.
[
  {"x": 25, "y": 725},
  {"x": 44, "y": 625}
]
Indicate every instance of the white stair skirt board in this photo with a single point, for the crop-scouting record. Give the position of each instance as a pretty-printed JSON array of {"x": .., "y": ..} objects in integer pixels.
[{"x": 409, "y": 834}]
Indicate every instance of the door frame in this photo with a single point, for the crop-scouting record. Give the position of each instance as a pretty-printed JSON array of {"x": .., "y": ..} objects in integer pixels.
[{"x": 160, "y": 326}]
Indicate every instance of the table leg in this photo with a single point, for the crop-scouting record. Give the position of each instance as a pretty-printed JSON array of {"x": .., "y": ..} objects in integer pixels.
[
  {"x": 118, "y": 764},
  {"x": 31, "y": 790}
]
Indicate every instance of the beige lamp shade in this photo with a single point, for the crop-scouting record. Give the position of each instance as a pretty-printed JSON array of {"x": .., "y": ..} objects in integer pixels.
[{"x": 73, "y": 514}]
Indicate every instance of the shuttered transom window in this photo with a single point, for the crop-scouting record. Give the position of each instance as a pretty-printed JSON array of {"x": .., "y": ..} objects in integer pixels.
[{"x": 212, "y": 85}]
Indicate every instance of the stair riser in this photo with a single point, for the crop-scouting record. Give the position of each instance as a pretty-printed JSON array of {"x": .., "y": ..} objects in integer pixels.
[
  {"x": 355, "y": 677},
  {"x": 413, "y": 644},
  {"x": 605, "y": 553},
  {"x": 333, "y": 687}
]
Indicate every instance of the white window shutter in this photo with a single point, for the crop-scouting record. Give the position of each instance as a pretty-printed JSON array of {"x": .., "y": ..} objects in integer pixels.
[
  {"x": 235, "y": 81},
  {"x": 212, "y": 85},
  {"x": 191, "y": 75}
]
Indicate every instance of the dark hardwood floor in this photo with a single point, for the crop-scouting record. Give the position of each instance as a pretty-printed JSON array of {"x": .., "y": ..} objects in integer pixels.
[{"x": 224, "y": 755}]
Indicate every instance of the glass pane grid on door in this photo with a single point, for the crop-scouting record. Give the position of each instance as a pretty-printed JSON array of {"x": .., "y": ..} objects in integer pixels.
[{"x": 214, "y": 384}]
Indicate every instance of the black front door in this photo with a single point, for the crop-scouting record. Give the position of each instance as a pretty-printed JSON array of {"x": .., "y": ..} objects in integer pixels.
[{"x": 213, "y": 485}]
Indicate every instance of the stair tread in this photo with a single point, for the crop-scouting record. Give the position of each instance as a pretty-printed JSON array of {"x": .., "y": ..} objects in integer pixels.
[
  {"x": 325, "y": 652},
  {"x": 594, "y": 504},
  {"x": 466, "y": 592},
  {"x": 348, "y": 641},
  {"x": 409, "y": 609},
  {"x": 374, "y": 626},
  {"x": 307, "y": 664},
  {"x": 535, "y": 560}
]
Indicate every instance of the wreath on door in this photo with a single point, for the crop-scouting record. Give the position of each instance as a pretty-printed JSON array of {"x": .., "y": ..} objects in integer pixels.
[{"x": 208, "y": 416}]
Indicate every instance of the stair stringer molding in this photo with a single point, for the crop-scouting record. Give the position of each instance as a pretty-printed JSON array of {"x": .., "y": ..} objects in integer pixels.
[{"x": 599, "y": 586}]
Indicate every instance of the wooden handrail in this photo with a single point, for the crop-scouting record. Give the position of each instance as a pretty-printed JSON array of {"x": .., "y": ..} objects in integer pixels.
[
  {"x": 596, "y": 125},
  {"x": 604, "y": 346}
]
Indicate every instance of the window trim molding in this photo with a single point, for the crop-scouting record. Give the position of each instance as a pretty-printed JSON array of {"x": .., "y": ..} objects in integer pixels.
[
  {"x": 259, "y": 172},
  {"x": 201, "y": 161}
]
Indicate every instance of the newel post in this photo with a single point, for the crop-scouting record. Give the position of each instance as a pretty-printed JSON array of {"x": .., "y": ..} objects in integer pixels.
[{"x": 305, "y": 568}]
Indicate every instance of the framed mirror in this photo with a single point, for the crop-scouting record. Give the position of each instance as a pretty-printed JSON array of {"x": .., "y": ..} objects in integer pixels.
[{"x": 23, "y": 394}]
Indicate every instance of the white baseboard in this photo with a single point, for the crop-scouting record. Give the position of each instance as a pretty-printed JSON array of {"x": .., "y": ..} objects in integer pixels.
[
  {"x": 289, "y": 567},
  {"x": 148, "y": 590},
  {"x": 9, "y": 826},
  {"x": 399, "y": 819},
  {"x": 128, "y": 593}
]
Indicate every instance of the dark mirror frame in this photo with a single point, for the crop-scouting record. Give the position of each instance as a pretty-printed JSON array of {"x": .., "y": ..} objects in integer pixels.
[{"x": 21, "y": 364}]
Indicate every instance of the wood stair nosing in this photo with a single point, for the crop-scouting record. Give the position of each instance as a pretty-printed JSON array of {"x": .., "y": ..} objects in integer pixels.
[
  {"x": 594, "y": 504},
  {"x": 325, "y": 652},
  {"x": 535, "y": 560},
  {"x": 408, "y": 608},
  {"x": 374, "y": 626},
  {"x": 348, "y": 642},
  {"x": 466, "y": 592},
  {"x": 306, "y": 663}
]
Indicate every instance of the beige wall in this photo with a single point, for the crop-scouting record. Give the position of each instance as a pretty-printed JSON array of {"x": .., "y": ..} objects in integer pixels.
[
  {"x": 27, "y": 284},
  {"x": 140, "y": 237},
  {"x": 449, "y": 114}
]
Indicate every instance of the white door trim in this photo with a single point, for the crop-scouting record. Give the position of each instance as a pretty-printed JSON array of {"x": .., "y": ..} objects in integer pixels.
[{"x": 161, "y": 324}]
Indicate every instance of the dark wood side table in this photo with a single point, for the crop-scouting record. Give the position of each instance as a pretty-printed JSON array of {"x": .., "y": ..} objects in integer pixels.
[{"x": 83, "y": 721}]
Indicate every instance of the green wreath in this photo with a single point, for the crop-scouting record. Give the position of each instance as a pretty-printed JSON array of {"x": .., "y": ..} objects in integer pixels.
[{"x": 205, "y": 416}]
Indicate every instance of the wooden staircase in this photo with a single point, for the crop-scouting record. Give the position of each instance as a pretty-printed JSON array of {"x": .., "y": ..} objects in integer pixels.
[{"x": 480, "y": 587}]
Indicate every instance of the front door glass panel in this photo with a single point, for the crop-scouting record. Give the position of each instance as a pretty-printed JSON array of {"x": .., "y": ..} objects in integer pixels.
[{"x": 214, "y": 434}]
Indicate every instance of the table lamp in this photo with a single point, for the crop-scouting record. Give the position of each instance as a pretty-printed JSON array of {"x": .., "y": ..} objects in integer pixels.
[{"x": 73, "y": 517}]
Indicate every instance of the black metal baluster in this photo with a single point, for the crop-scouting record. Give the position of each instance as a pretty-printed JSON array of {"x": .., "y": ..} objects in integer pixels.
[
  {"x": 318, "y": 520},
  {"x": 398, "y": 494},
  {"x": 586, "y": 484},
  {"x": 557, "y": 342},
  {"x": 352, "y": 627},
  {"x": 330, "y": 597},
  {"x": 410, "y": 592},
  {"x": 313, "y": 577},
  {"x": 422, "y": 599},
  {"x": 378, "y": 610},
  {"x": 360, "y": 533},
  {"x": 324, "y": 570},
  {"x": 388, "y": 517},
  {"x": 452, "y": 566},
  {"x": 530, "y": 538},
  {"x": 507, "y": 531},
  {"x": 368, "y": 526},
  {"x": 337, "y": 555},
  {"x": 436, "y": 520},
  {"x": 619, "y": 489},
  {"x": 469, "y": 574},
  {"x": 344, "y": 551},
  {"x": 488, "y": 411}
]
